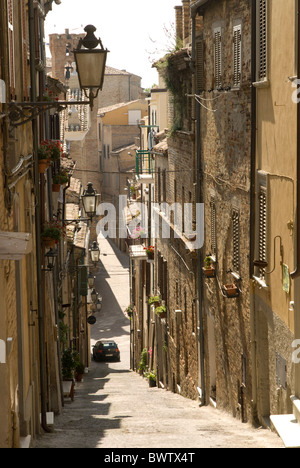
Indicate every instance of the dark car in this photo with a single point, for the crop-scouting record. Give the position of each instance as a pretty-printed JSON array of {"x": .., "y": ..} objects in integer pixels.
[{"x": 106, "y": 349}]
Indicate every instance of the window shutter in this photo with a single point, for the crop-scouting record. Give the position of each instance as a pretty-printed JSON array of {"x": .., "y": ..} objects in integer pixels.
[
  {"x": 24, "y": 49},
  {"x": 213, "y": 226},
  {"x": 262, "y": 241},
  {"x": 236, "y": 240},
  {"x": 200, "y": 66},
  {"x": 262, "y": 39},
  {"x": 12, "y": 78},
  {"x": 218, "y": 57},
  {"x": 237, "y": 55}
]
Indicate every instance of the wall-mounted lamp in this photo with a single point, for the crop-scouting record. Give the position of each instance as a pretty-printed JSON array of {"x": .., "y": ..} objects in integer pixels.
[
  {"x": 90, "y": 201},
  {"x": 91, "y": 62},
  {"x": 91, "y": 281},
  {"x": 51, "y": 257},
  {"x": 94, "y": 295},
  {"x": 95, "y": 252}
]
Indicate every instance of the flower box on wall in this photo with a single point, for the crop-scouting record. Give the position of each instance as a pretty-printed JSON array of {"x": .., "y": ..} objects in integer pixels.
[{"x": 231, "y": 290}]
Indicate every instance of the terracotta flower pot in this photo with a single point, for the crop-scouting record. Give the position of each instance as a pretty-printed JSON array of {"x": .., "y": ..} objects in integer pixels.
[
  {"x": 55, "y": 187},
  {"x": 43, "y": 165},
  {"x": 49, "y": 242},
  {"x": 209, "y": 272},
  {"x": 231, "y": 290}
]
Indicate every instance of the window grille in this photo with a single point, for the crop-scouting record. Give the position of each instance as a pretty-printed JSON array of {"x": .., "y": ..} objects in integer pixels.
[
  {"x": 218, "y": 57},
  {"x": 237, "y": 55},
  {"x": 262, "y": 239},
  {"x": 236, "y": 240},
  {"x": 213, "y": 227},
  {"x": 262, "y": 39},
  {"x": 200, "y": 65}
]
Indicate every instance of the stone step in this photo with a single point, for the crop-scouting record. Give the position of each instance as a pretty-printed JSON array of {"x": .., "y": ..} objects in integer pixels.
[{"x": 288, "y": 425}]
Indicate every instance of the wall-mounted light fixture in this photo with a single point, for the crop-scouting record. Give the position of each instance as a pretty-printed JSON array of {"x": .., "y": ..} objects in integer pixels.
[
  {"x": 91, "y": 62},
  {"x": 95, "y": 252},
  {"x": 51, "y": 257}
]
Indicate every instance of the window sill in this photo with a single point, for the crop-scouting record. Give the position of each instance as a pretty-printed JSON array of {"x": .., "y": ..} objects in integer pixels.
[
  {"x": 262, "y": 284},
  {"x": 261, "y": 84}
]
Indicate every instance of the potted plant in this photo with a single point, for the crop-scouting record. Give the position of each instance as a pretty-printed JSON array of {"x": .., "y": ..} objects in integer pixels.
[
  {"x": 152, "y": 378},
  {"x": 133, "y": 192},
  {"x": 52, "y": 234},
  {"x": 150, "y": 252},
  {"x": 43, "y": 157},
  {"x": 68, "y": 362},
  {"x": 144, "y": 361},
  {"x": 209, "y": 269},
  {"x": 130, "y": 310},
  {"x": 79, "y": 371},
  {"x": 161, "y": 311},
  {"x": 231, "y": 290},
  {"x": 154, "y": 300},
  {"x": 58, "y": 180}
]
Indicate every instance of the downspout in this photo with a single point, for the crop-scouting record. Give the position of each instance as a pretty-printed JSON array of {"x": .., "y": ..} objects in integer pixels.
[
  {"x": 37, "y": 223},
  {"x": 194, "y": 11},
  {"x": 296, "y": 273},
  {"x": 252, "y": 213}
]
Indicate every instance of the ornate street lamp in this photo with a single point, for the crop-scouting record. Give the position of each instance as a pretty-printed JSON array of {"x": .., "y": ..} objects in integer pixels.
[
  {"x": 91, "y": 280},
  {"x": 90, "y": 201},
  {"x": 90, "y": 62},
  {"x": 51, "y": 257},
  {"x": 94, "y": 296},
  {"x": 95, "y": 252}
]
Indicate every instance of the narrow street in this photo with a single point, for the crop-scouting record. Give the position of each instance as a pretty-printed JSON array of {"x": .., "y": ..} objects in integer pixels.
[{"x": 115, "y": 408}]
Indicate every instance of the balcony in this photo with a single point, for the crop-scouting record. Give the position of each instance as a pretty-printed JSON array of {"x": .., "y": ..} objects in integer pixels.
[{"x": 145, "y": 167}]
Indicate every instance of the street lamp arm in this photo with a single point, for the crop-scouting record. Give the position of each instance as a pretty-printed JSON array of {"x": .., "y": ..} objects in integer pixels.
[{"x": 19, "y": 113}]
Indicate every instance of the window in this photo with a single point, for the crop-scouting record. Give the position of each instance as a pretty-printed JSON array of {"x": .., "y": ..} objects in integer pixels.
[
  {"x": 218, "y": 57},
  {"x": 262, "y": 40},
  {"x": 200, "y": 66},
  {"x": 104, "y": 151},
  {"x": 11, "y": 46},
  {"x": 262, "y": 234},
  {"x": 213, "y": 227},
  {"x": 236, "y": 240},
  {"x": 237, "y": 56}
]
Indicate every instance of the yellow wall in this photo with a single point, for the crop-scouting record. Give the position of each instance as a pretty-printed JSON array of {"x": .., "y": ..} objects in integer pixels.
[{"x": 276, "y": 147}]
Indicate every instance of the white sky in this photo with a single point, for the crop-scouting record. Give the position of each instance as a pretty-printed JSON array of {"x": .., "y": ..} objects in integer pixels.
[{"x": 134, "y": 31}]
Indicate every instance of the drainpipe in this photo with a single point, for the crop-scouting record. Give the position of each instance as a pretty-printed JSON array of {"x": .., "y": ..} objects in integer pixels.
[
  {"x": 194, "y": 11},
  {"x": 253, "y": 319},
  {"x": 37, "y": 225},
  {"x": 296, "y": 273}
]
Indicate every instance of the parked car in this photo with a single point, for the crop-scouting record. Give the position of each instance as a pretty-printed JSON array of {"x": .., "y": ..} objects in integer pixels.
[{"x": 106, "y": 349}]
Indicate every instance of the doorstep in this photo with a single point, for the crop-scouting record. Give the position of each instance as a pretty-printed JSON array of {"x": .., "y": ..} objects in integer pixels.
[
  {"x": 288, "y": 425},
  {"x": 288, "y": 429}
]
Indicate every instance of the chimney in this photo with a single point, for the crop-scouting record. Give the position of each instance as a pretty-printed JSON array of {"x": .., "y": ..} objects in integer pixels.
[{"x": 179, "y": 25}]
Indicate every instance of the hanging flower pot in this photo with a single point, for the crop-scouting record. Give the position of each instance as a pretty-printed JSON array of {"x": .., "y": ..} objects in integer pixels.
[
  {"x": 43, "y": 165},
  {"x": 48, "y": 242},
  {"x": 161, "y": 311},
  {"x": 231, "y": 290},
  {"x": 154, "y": 300},
  {"x": 56, "y": 188}
]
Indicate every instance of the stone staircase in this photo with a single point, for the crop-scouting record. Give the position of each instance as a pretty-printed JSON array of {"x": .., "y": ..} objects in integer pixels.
[{"x": 288, "y": 425}]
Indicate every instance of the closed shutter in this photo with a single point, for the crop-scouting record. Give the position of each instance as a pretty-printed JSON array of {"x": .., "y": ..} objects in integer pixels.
[
  {"x": 262, "y": 241},
  {"x": 236, "y": 240},
  {"x": 25, "y": 52},
  {"x": 237, "y": 55},
  {"x": 262, "y": 39},
  {"x": 11, "y": 47},
  {"x": 200, "y": 66},
  {"x": 218, "y": 57},
  {"x": 213, "y": 227}
]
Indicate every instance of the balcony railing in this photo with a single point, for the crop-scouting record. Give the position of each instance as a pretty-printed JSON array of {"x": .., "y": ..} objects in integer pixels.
[{"x": 144, "y": 164}]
